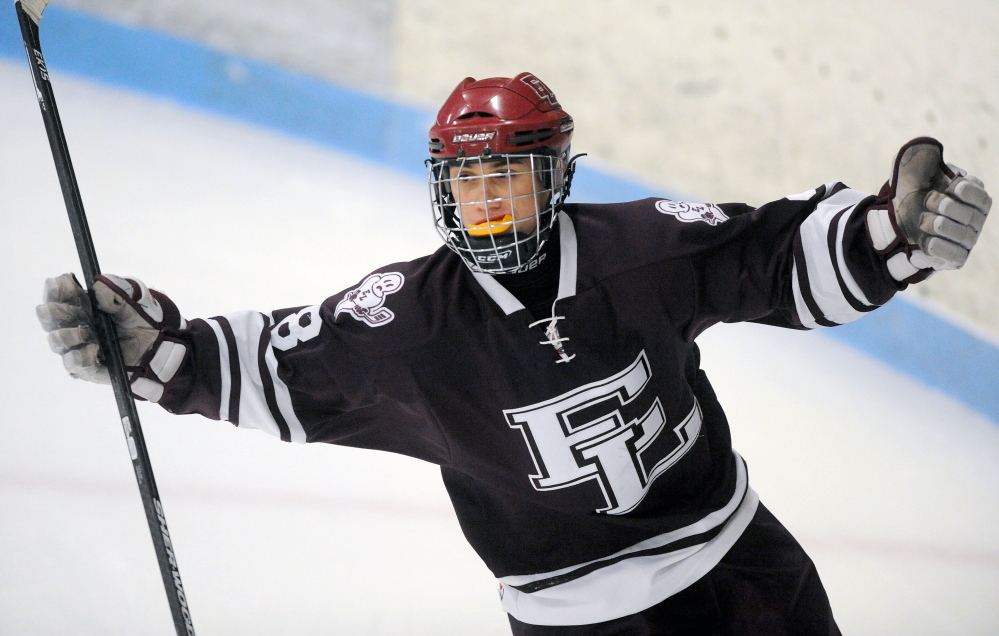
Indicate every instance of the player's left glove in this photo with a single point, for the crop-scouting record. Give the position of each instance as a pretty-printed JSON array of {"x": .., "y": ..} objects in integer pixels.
[{"x": 929, "y": 214}]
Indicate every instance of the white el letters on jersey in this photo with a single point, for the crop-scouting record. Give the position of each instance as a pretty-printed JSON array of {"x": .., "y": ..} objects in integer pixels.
[
  {"x": 366, "y": 301},
  {"x": 692, "y": 212},
  {"x": 296, "y": 328},
  {"x": 582, "y": 435}
]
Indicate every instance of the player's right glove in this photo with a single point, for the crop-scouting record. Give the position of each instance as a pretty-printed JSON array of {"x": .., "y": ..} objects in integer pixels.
[
  {"x": 146, "y": 321},
  {"x": 929, "y": 214}
]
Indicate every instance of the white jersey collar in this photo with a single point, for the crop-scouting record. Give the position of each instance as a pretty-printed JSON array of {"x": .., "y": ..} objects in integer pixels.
[{"x": 566, "y": 273}]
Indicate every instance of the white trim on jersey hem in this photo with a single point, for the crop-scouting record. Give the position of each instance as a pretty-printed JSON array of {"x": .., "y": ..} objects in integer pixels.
[
  {"x": 226, "y": 378},
  {"x": 566, "y": 275},
  {"x": 637, "y": 583}
]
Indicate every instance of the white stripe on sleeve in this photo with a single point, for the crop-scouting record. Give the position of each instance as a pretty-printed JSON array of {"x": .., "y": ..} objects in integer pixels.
[
  {"x": 804, "y": 314},
  {"x": 844, "y": 270},
  {"x": 253, "y": 412},
  {"x": 822, "y": 281},
  {"x": 223, "y": 369},
  {"x": 808, "y": 194},
  {"x": 802, "y": 196},
  {"x": 283, "y": 398}
]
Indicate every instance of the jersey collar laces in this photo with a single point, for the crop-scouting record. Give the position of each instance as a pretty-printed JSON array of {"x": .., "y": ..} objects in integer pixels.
[{"x": 554, "y": 339}]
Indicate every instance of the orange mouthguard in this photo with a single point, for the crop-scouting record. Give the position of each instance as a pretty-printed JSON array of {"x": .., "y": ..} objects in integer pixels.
[{"x": 497, "y": 226}]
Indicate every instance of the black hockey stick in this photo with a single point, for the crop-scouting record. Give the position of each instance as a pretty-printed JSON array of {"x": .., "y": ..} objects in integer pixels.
[{"x": 29, "y": 14}]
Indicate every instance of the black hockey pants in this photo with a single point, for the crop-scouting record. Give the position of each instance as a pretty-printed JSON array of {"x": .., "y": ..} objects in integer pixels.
[{"x": 765, "y": 585}]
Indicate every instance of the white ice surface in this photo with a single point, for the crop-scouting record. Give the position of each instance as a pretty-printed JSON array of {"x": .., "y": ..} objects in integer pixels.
[{"x": 890, "y": 486}]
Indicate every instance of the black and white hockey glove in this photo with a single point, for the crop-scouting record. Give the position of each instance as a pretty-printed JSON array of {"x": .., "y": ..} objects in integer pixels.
[
  {"x": 143, "y": 317},
  {"x": 929, "y": 214}
]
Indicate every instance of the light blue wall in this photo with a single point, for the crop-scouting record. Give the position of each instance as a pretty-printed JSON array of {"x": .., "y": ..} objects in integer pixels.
[{"x": 935, "y": 351}]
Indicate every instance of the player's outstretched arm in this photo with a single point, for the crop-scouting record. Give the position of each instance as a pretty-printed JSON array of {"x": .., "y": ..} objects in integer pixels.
[
  {"x": 224, "y": 368},
  {"x": 929, "y": 214},
  {"x": 143, "y": 318},
  {"x": 828, "y": 256}
]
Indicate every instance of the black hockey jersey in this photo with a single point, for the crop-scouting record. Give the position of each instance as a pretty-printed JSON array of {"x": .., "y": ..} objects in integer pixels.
[{"x": 588, "y": 460}]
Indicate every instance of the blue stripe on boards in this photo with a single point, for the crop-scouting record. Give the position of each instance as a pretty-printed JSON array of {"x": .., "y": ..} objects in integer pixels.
[
  {"x": 11, "y": 44},
  {"x": 933, "y": 350},
  {"x": 902, "y": 335},
  {"x": 195, "y": 75},
  {"x": 595, "y": 186}
]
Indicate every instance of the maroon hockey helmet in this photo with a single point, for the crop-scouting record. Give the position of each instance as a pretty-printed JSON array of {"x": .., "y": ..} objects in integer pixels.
[
  {"x": 500, "y": 115},
  {"x": 486, "y": 130}
]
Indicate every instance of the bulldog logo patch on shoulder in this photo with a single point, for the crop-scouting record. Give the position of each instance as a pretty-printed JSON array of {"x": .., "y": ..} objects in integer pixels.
[
  {"x": 367, "y": 301},
  {"x": 692, "y": 212}
]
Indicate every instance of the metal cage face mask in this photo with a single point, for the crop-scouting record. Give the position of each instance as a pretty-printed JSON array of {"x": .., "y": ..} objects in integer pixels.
[{"x": 497, "y": 211}]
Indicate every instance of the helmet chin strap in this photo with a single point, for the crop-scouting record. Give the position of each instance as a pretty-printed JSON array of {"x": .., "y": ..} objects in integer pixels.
[{"x": 570, "y": 171}]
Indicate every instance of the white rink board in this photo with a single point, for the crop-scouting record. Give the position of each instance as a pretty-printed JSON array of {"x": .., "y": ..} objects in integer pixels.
[{"x": 889, "y": 485}]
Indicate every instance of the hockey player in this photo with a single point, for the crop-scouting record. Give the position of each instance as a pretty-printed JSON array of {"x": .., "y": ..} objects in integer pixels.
[{"x": 545, "y": 359}]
